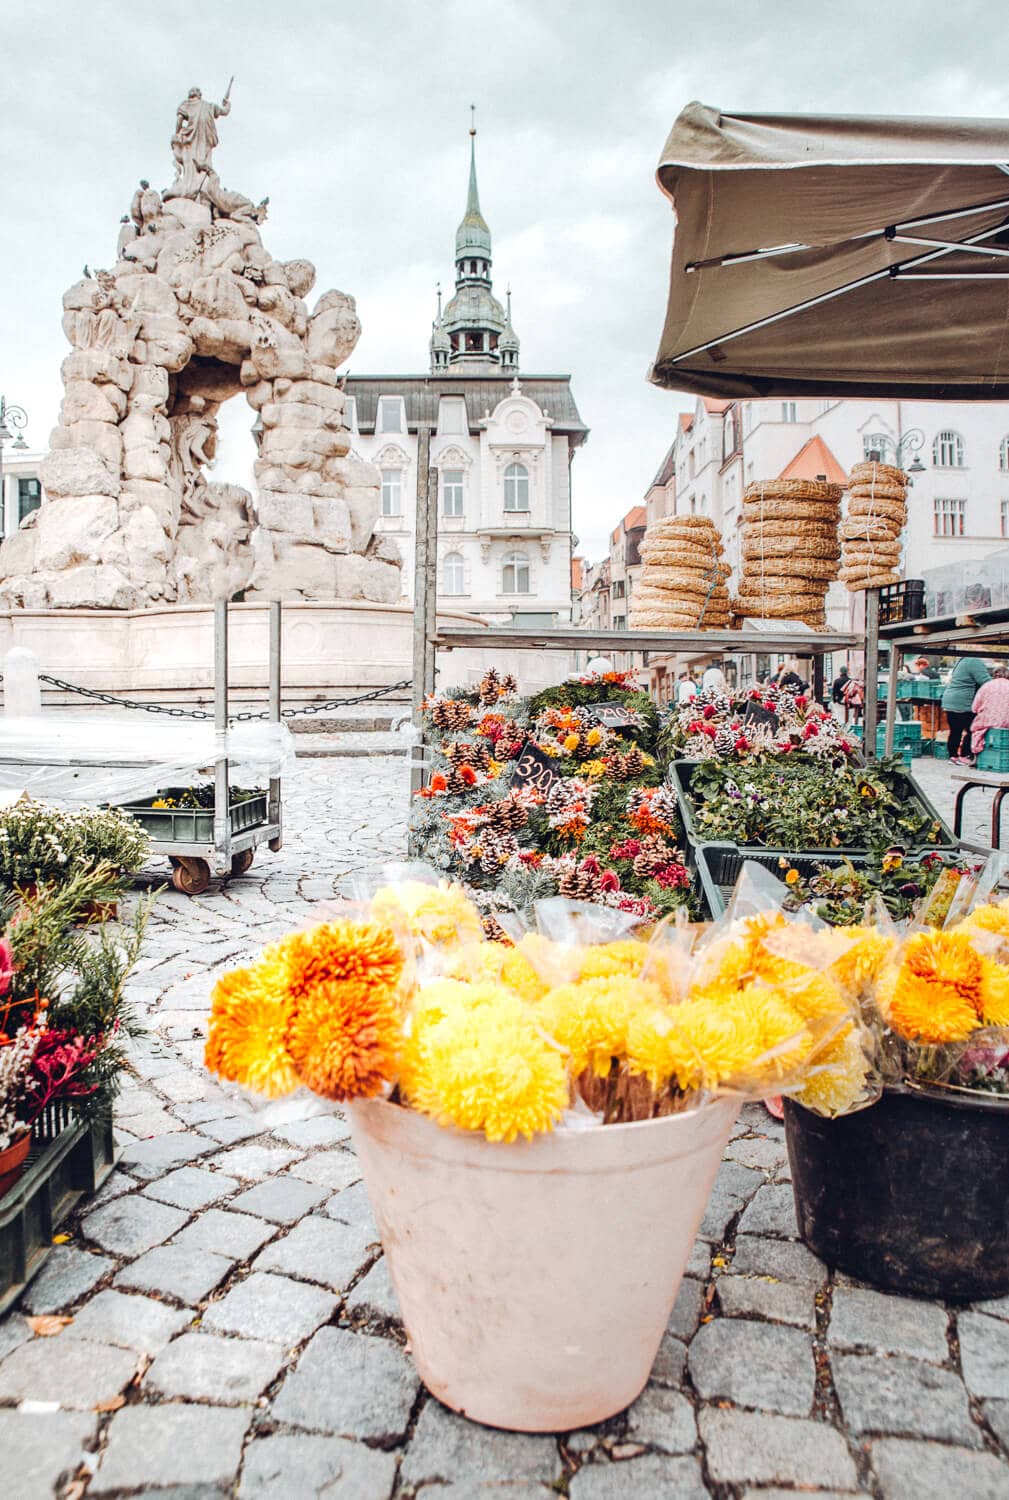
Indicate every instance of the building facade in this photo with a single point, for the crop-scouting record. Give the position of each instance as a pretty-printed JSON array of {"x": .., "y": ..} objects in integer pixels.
[
  {"x": 21, "y": 489},
  {"x": 502, "y": 446}
]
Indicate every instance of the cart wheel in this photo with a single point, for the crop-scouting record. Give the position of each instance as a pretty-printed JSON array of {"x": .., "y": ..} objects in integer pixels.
[
  {"x": 191, "y": 876},
  {"x": 242, "y": 862}
]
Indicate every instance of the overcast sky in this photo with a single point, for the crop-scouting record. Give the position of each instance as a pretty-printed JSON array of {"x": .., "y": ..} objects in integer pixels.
[{"x": 354, "y": 117}]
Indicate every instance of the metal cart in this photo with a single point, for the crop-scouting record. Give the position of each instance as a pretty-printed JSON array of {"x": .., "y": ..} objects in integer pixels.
[{"x": 230, "y": 847}]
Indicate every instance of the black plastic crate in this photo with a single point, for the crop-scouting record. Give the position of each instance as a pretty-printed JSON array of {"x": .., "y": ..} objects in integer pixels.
[
  {"x": 902, "y": 601},
  {"x": 718, "y": 867},
  {"x": 68, "y": 1159},
  {"x": 681, "y": 772}
]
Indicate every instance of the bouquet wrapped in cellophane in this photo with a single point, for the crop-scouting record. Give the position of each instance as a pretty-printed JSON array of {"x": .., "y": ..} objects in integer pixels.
[{"x": 575, "y": 1022}]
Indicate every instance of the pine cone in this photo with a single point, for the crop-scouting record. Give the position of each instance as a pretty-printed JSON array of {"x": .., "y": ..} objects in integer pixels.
[
  {"x": 465, "y": 753},
  {"x": 654, "y": 853},
  {"x": 493, "y": 931},
  {"x": 578, "y": 884},
  {"x": 508, "y": 685},
  {"x": 489, "y": 690},
  {"x": 626, "y": 767},
  {"x": 507, "y": 814},
  {"x": 460, "y": 714},
  {"x": 724, "y": 743},
  {"x": 455, "y": 785},
  {"x": 496, "y": 849}
]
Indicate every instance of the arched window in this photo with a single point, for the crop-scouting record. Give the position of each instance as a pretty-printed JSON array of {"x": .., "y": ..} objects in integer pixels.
[
  {"x": 515, "y": 577},
  {"x": 451, "y": 489},
  {"x": 875, "y": 442},
  {"x": 1003, "y": 454},
  {"x": 453, "y": 576},
  {"x": 947, "y": 450},
  {"x": 516, "y": 487},
  {"x": 392, "y": 492}
]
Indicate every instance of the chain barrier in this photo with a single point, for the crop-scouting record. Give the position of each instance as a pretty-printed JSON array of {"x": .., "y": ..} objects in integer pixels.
[{"x": 245, "y": 716}]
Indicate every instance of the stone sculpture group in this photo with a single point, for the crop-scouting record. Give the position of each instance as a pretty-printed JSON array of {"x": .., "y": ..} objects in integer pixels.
[{"x": 196, "y": 311}]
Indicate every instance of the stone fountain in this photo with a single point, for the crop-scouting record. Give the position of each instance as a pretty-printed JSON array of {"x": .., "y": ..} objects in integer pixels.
[{"x": 195, "y": 311}]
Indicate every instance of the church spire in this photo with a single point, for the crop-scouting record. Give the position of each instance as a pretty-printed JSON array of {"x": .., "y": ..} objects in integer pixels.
[{"x": 474, "y": 323}]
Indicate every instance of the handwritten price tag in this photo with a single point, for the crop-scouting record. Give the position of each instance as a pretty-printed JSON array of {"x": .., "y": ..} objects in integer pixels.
[
  {"x": 612, "y": 715},
  {"x": 535, "y": 769}
]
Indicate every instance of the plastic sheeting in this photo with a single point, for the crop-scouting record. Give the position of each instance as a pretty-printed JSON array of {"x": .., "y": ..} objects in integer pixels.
[
  {"x": 116, "y": 758},
  {"x": 957, "y": 587}
]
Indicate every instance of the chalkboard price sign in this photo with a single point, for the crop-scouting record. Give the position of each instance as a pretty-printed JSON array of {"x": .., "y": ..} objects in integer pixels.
[
  {"x": 534, "y": 769},
  {"x": 612, "y": 715}
]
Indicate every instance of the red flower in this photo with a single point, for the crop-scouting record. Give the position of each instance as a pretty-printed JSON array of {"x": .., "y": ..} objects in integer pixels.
[
  {"x": 530, "y": 857},
  {"x": 629, "y": 849},
  {"x": 708, "y": 710},
  {"x": 6, "y": 965},
  {"x": 770, "y": 705},
  {"x": 467, "y": 774},
  {"x": 801, "y": 701},
  {"x": 810, "y": 731},
  {"x": 742, "y": 744},
  {"x": 695, "y": 726},
  {"x": 672, "y": 875},
  {"x": 591, "y": 864},
  {"x": 438, "y": 782},
  {"x": 709, "y": 730},
  {"x": 609, "y": 880}
]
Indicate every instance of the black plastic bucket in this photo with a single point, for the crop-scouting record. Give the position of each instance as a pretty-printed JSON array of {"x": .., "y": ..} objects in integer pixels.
[{"x": 911, "y": 1194}]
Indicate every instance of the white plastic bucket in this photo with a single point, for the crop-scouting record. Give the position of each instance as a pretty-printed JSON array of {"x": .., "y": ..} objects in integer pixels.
[{"x": 536, "y": 1280}]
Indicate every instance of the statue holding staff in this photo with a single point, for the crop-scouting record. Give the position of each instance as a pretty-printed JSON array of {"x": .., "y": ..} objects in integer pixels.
[{"x": 194, "y": 141}]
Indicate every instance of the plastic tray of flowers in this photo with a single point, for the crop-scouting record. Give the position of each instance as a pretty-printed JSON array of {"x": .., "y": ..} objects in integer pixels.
[
  {"x": 69, "y": 1157},
  {"x": 167, "y": 820},
  {"x": 914, "y": 810},
  {"x": 901, "y": 879}
]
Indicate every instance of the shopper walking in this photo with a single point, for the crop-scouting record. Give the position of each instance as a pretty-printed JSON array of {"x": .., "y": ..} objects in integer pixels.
[{"x": 969, "y": 674}]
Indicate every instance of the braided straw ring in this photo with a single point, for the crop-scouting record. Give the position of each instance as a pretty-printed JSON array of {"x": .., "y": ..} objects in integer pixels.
[
  {"x": 869, "y": 471},
  {"x": 791, "y": 489},
  {"x": 877, "y": 491},
  {"x": 868, "y": 528},
  {"x": 862, "y": 505},
  {"x": 791, "y": 510}
]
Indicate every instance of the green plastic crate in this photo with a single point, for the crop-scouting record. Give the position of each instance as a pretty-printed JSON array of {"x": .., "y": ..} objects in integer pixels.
[
  {"x": 195, "y": 825},
  {"x": 993, "y": 757},
  {"x": 940, "y": 749}
]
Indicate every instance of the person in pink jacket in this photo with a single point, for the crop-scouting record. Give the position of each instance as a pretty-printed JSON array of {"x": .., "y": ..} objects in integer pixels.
[{"x": 991, "y": 707}]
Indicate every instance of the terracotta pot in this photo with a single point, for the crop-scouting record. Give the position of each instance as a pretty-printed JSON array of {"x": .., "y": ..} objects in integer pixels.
[
  {"x": 12, "y": 1161},
  {"x": 536, "y": 1280}
]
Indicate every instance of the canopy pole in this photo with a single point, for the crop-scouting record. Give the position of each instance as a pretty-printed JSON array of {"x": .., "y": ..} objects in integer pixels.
[
  {"x": 871, "y": 672},
  {"x": 896, "y": 660}
]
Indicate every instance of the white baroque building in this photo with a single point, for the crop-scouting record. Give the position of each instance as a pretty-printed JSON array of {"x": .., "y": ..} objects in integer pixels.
[{"x": 502, "y": 445}]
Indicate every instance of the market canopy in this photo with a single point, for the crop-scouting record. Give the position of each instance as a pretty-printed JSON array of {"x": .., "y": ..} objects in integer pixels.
[{"x": 834, "y": 255}]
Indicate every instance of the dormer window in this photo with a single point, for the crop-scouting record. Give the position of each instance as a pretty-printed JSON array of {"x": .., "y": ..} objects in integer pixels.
[
  {"x": 390, "y": 414},
  {"x": 452, "y": 415}
]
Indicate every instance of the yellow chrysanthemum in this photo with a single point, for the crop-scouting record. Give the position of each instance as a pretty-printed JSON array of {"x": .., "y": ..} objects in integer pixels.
[
  {"x": 994, "y": 993},
  {"x": 934, "y": 995},
  {"x": 625, "y": 956},
  {"x": 815, "y": 997},
  {"x": 784, "y": 1038},
  {"x": 345, "y": 1037},
  {"x": 247, "y": 1035},
  {"x": 992, "y": 917},
  {"x": 856, "y": 956},
  {"x": 699, "y": 1044},
  {"x": 590, "y": 1018},
  {"x": 594, "y": 768},
  {"x": 839, "y": 1077},
  {"x": 486, "y": 1068},
  {"x": 441, "y": 914}
]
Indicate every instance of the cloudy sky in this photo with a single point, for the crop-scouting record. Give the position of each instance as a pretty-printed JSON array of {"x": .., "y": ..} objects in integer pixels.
[{"x": 353, "y": 118}]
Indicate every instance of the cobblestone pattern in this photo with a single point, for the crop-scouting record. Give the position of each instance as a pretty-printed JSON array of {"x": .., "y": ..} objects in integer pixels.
[{"x": 234, "y": 1332}]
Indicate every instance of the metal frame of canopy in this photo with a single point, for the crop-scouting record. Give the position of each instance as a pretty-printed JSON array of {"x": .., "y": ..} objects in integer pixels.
[
  {"x": 902, "y": 269},
  {"x": 428, "y": 638}
]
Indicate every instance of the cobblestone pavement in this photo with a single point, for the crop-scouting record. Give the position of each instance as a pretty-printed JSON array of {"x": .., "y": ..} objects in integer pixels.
[{"x": 234, "y": 1332}]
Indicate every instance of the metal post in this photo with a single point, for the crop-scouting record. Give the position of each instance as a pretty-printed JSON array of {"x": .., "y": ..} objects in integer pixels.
[
  {"x": 222, "y": 821},
  {"x": 896, "y": 658},
  {"x": 871, "y": 672},
  {"x": 431, "y": 617},
  {"x": 274, "y": 810},
  {"x": 421, "y": 588},
  {"x": 818, "y": 677}
]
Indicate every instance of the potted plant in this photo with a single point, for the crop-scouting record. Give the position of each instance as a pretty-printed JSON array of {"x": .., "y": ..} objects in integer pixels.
[{"x": 539, "y": 1123}]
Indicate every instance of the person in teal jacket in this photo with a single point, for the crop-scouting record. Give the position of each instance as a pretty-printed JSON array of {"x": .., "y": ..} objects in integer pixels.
[{"x": 969, "y": 674}]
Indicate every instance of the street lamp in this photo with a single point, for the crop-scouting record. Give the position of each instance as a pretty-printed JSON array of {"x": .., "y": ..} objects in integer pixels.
[
  {"x": 12, "y": 420},
  {"x": 909, "y": 442}
]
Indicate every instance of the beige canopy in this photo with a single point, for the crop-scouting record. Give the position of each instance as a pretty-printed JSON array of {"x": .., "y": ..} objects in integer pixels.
[{"x": 837, "y": 256}]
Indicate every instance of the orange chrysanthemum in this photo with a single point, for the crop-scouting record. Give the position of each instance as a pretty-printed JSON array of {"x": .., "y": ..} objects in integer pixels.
[
  {"x": 344, "y": 1038},
  {"x": 360, "y": 952},
  {"x": 247, "y": 1036},
  {"x": 936, "y": 994}
]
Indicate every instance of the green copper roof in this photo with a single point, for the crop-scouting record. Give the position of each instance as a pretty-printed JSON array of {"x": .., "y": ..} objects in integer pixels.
[{"x": 473, "y": 236}]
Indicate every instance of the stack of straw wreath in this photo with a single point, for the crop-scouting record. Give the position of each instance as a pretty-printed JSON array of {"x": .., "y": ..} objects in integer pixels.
[
  {"x": 877, "y": 511},
  {"x": 789, "y": 549},
  {"x": 682, "y": 583}
]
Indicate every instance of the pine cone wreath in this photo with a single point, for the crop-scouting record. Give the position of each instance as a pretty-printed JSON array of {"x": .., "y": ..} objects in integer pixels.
[
  {"x": 489, "y": 688},
  {"x": 579, "y": 883}
]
